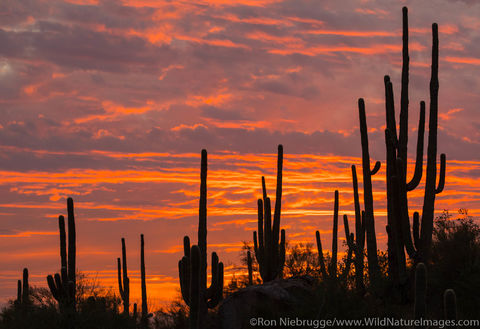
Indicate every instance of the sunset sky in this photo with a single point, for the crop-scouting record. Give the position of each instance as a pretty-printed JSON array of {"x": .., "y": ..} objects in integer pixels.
[{"x": 110, "y": 102}]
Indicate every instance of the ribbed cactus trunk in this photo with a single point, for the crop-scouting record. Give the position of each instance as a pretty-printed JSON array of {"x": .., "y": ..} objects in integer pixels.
[
  {"x": 144, "y": 318},
  {"x": 450, "y": 305},
  {"x": 63, "y": 285},
  {"x": 420, "y": 292},
  {"x": 193, "y": 266},
  {"x": 333, "y": 263},
  {"x": 269, "y": 246},
  {"x": 124, "y": 280},
  {"x": 373, "y": 267},
  {"x": 431, "y": 174}
]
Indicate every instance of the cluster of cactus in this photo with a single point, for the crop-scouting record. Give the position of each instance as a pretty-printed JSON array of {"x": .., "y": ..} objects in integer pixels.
[
  {"x": 124, "y": 280},
  {"x": 193, "y": 266},
  {"x": 420, "y": 303},
  {"x": 23, "y": 290},
  {"x": 398, "y": 227},
  {"x": 332, "y": 267},
  {"x": 124, "y": 284},
  {"x": 270, "y": 245},
  {"x": 63, "y": 285}
]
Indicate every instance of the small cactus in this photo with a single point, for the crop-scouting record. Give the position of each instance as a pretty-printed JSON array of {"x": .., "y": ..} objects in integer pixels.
[
  {"x": 450, "y": 305},
  {"x": 420, "y": 291},
  {"x": 124, "y": 280},
  {"x": 63, "y": 285},
  {"x": 23, "y": 290}
]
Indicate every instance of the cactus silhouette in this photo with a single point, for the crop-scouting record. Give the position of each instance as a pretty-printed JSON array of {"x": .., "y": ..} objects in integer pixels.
[
  {"x": 332, "y": 267},
  {"x": 192, "y": 267},
  {"x": 145, "y": 314},
  {"x": 123, "y": 280},
  {"x": 416, "y": 240},
  {"x": 270, "y": 245},
  {"x": 356, "y": 245},
  {"x": 420, "y": 306},
  {"x": 373, "y": 266},
  {"x": 23, "y": 290},
  {"x": 450, "y": 305},
  {"x": 63, "y": 285}
]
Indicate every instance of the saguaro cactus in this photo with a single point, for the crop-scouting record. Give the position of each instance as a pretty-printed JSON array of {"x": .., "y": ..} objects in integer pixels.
[
  {"x": 450, "y": 305},
  {"x": 373, "y": 267},
  {"x": 145, "y": 314},
  {"x": 23, "y": 290},
  {"x": 400, "y": 236},
  {"x": 420, "y": 291},
  {"x": 63, "y": 285},
  {"x": 357, "y": 245},
  {"x": 332, "y": 267},
  {"x": 270, "y": 245},
  {"x": 193, "y": 266},
  {"x": 123, "y": 280}
]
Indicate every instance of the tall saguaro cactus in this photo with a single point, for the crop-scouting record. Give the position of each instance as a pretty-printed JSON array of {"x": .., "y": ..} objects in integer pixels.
[
  {"x": 270, "y": 245},
  {"x": 193, "y": 266},
  {"x": 63, "y": 285},
  {"x": 145, "y": 315},
  {"x": 124, "y": 280},
  {"x": 400, "y": 233},
  {"x": 373, "y": 267}
]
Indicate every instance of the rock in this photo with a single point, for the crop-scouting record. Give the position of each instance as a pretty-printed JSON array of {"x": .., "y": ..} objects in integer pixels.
[{"x": 268, "y": 301}]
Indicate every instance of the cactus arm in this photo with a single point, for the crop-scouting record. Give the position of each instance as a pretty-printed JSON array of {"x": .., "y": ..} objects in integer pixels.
[
  {"x": 400, "y": 187},
  {"x": 376, "y": 168},
  {"x": 214, "y": 268},
  {"x": 390, "y": 110},
  {"x": 441, "y": 181},
  {"x": 63, "y": 241},
  {"x": 321, "y": 260},
  {"x": 119, "y": 272},
  {"x": 52, "y": 287},
  {"x": 416, "y": 229},
  {"x": 347, "y": 231},
  {"x": 417, "y": 176},
  {"x": 264, "y": 189},
  {"x": 218, "y": 292}
]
